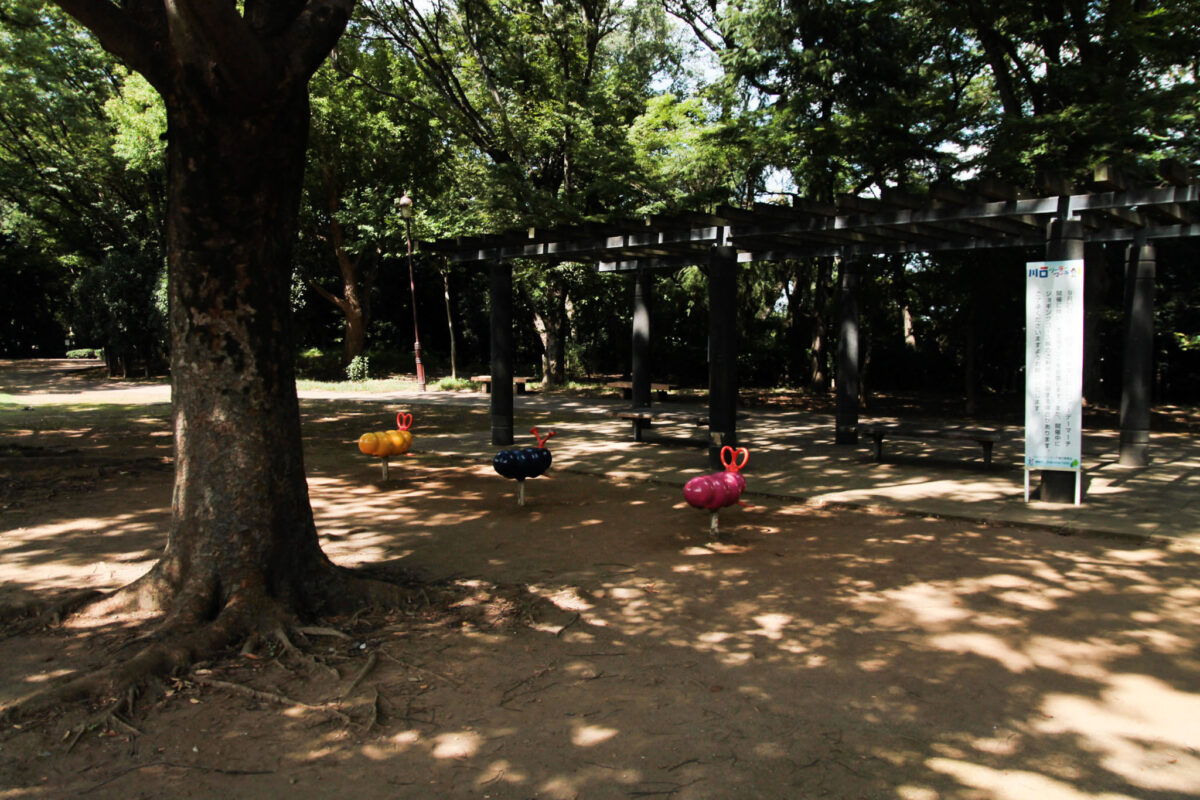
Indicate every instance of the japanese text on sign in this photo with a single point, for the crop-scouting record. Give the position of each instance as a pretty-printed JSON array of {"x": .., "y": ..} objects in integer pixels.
[{"x": 1053, "y": 364}]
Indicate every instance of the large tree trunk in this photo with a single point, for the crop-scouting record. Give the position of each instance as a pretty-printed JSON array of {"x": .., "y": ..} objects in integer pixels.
[
  {"x": 242, "y": 554},
  {"x": 241, "y": 520},
  {"x": 242, "y": 548}
]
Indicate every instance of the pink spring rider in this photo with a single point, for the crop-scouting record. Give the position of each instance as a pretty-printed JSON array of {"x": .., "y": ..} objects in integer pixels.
[{"x": 719, "y": 489}]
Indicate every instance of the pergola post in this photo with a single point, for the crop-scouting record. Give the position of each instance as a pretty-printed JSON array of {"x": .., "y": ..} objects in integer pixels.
[
  {"x": 847, "y": 377},
  {"x": 722, "y": 352},
  {"x": 1136, "y": 373},
  {"x": 1064, "y": 242},
  {"x": 500, "y": 295},
  {"x": 643, "y": 288}
]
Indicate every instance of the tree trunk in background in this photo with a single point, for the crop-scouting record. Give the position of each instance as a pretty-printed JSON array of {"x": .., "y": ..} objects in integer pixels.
[
  {"x": 450, "y": 326},
  {"x": 552, "y": 323},
  {"x": 970, "y": 379},
  {"x": 355, "y": 300},
  {"x": 550, "y": 328},
  {"x": 900, "y": 281},
  {"x": 1095, "y": 289},
  {"x": 818, "y": 374}
]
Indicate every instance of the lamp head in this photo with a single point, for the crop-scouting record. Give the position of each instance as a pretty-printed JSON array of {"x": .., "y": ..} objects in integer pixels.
[{"x": 405, "y": 206}]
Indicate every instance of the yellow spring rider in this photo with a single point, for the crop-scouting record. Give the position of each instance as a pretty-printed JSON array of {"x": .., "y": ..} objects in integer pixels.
[{"x": 385, "y": 444}]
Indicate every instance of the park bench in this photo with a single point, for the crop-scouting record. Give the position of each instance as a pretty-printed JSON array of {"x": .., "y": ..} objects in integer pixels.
[
  {"x": 644, "y": 418},
  {"x": 626, "y": 388},
  {"x": 985, "y": 437},
  {"x": 486, "y": 380}
]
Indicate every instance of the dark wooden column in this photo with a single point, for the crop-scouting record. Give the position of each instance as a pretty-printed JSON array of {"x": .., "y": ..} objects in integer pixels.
[
  {"x": 722, "y": 352},
  {"x": 500, "y": 294},
  {"x": 846, "y": 431},
  {"x": 1136, "y": 373},
  {"x": 643, "y": 288},
  {"x": 1064, "y": 242}
]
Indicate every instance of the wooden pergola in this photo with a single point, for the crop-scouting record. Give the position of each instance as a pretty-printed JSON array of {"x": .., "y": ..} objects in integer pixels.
[{"x": 1059, "y": 217}]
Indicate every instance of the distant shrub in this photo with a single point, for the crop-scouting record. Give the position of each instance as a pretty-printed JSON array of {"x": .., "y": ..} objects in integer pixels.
[
  {"x": 453, "y": 385},
  {"x": 358, "y": 369},
  {"x": 86, "y": 352},
  {"x": 316, "y": 364}
]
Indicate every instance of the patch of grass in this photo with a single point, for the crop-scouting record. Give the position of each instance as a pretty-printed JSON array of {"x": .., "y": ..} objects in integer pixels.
[
  {"x": 453, "y": 385},
  {"x": 51, "y": 415},
  {"x": 369, "y": 386}
]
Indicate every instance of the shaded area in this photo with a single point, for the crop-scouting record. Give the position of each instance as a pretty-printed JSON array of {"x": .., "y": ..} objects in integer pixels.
[{"x": 809, "y": 653}]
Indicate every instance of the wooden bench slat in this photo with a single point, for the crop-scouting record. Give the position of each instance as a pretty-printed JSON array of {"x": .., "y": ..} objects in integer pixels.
[
  {"x": 985, "y": 437},
  {"x": 974, "y": 434},
  {"x": 658, "y": 387},
  {"x": 644, "y": 418},
  {"x": 486, "y": 380}
]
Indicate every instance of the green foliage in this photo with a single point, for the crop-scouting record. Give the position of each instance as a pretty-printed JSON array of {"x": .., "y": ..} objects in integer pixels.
[
  {"x": 139, "y": 118},
  {"x": 1066, "y": 86},
  {"x": 85, "y": 352},
  {"x": 538, "y": 94},
  {"x": 493, "y": 115},
  {"x": 359, "y": 369},
  {"x": 315, "y": 364},
  {"x": 91, "y": 218},
  {"x": 122, "y": 302},
  {"x": 1187, "y": 342},
  {"x": 453, "y": 385}
]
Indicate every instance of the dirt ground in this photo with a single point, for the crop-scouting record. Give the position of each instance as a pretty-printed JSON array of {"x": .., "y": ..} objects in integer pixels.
[{"x": 806, "y": 654}]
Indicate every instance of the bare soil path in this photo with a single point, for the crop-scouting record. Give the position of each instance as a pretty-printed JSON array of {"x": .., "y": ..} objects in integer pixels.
[{"x": 806, "y": 654}]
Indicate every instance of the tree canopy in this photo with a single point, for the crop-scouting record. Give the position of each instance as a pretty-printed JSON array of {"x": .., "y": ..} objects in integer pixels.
[{"x": 493, "y": 115}]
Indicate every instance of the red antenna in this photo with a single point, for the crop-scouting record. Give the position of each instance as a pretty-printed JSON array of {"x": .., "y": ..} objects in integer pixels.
[{"x": 541, "y": 440}]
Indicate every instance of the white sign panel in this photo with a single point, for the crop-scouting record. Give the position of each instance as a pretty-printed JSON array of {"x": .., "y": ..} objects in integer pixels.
[{"x": 1053, "y": 364}]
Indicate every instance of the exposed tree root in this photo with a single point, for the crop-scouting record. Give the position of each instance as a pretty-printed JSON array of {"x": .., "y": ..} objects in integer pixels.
[
  {"x": 169, "y": 655},
  {"x": 40, "y": 613},
  {"x": 372, "y": 660},
  {"x": 199, "y": 627},
  {"x": 274, "y": 698}
]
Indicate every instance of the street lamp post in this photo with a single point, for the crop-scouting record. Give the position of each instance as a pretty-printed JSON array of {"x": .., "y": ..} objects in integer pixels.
[{"x": 405, "y": 204}]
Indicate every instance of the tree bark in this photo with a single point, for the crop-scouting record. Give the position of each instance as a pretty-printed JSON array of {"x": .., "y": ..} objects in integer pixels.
[
  {"x": 450, "y": 325},
  {"x": 235, "y": 85},
  {"x": 357, "y": 282},
  {"x": 818, "y": 376},
  {"x": 549, "y": 303},
  {"x": 240, "y": 514}
]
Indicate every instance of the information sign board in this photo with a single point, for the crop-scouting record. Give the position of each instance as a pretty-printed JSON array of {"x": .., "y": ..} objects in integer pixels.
[{"x": 1053, "y": 365}]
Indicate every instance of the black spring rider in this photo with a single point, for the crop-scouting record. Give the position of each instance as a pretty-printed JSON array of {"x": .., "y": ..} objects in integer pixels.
[{"x": 524, "y": 462}]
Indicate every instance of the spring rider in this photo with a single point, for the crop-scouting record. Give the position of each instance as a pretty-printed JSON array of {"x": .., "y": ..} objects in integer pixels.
[
  {"x": 524, "y": 462},
  {"x": 717, "y": 490},
  {"x": 385, "y": 444}
]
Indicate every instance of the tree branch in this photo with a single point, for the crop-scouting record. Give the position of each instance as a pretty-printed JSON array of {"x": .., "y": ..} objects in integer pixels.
[
  {"x": 212, "y": 32},
  {"x": 120, "y": 33},
  {"x": 312, "y": 35}
]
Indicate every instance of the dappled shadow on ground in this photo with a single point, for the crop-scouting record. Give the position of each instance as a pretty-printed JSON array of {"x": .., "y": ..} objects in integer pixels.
[
  {"x": 805, "y": 654},
  {"x": 62, "y": 376},
  {"x": 850, "y": 654}
]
